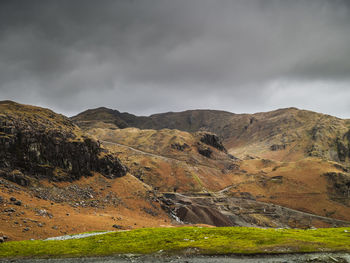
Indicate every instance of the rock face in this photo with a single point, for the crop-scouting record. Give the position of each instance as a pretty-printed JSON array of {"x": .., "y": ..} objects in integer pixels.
[
  {"x": 277, "y": 147},
  {"x": 205, "y": 151},
  {"x": 339, "y": 187},
  {"x": 180, "y": 147},
  {"x": 41, "y": 144},
  {"x": 212, "y": 140}
]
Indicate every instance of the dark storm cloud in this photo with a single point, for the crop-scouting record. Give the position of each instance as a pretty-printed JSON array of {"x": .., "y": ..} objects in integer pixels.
[{"x": 157, "y": 55}]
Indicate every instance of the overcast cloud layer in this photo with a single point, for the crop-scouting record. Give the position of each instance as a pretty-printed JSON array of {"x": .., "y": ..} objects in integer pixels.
[{"x": 149, "y": 56}]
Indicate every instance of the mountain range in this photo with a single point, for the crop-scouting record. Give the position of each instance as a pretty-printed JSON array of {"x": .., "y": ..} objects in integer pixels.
[{"x": 103, "y": 169}]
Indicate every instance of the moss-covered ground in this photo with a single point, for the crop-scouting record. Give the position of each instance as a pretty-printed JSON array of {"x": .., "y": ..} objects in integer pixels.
[{"x": 223, "y": 240}]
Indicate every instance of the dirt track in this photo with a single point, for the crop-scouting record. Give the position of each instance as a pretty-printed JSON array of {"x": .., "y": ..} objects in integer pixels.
[{"x": 297, "y": 258}]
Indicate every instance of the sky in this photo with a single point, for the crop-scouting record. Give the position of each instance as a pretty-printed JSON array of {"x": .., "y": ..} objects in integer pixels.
[{"x": 151, "y": 56}]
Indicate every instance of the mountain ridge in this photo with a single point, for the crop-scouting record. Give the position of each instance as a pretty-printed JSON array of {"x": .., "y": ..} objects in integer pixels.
[
  {"x": 282, "y": 130},
  {"x": 201, "y": 109}
]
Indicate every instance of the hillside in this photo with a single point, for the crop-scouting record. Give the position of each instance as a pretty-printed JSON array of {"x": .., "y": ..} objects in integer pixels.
[
  {"x": 58, "y": 178},
  {"x": 293, "y": 158},
  {"x": 286, "y": 134},
  {"x": 169, "y": 162},
  {"x": 55, "y": 179}
]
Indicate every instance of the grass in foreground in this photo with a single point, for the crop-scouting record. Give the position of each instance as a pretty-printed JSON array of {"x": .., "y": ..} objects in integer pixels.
[{"x": 223, "y": 240}]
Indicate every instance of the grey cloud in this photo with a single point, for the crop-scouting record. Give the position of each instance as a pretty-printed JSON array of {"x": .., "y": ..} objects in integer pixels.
[{"x": 160, "y": 55}]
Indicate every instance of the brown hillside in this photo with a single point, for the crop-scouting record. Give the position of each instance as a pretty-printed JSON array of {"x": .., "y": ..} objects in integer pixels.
[
  {"x": 286, "y": 134},
  {"x": 286, "y": 156},
  {"x": 55, "y": 179},
  {"x": 307, "y": 185},
  {"x": 169, "y": 160}
]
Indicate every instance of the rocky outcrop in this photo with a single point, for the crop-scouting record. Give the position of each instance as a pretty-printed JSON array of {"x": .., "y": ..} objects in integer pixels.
[
  {"x": 212, "y": 140},
  {"x": 55, "y": 151},
  {"x": 277, "y": 147},
  {"x": 15, "y": 176},
  {"x": 209, "y": 139},
  {"x": 342, "y": 150},
  {"x": 205, "y": 151},
  {"x": 339, "y": 187},
  {"x": 180, "y": 147}
]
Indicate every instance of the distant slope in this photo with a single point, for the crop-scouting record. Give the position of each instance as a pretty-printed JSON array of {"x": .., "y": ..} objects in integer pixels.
[
  {"x": 191, "y": 121},
  {"x": 284, "y": 134}
]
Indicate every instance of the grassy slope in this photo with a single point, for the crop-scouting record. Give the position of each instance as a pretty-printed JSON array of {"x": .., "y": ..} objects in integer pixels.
[{"x": 225, "y": 240}]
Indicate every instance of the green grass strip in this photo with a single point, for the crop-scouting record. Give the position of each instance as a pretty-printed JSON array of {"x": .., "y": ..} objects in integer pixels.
[{"x": 220, "y": 240}]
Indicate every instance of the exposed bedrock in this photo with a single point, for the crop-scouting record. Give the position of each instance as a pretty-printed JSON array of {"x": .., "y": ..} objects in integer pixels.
[{"x": 56, "y": 154}]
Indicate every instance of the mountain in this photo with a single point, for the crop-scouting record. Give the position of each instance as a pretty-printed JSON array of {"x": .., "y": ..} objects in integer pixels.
[
  {"x": 288, "y": 157},
  {"x": 285, "y": 134},
  {"x": 105, "y": 170}
]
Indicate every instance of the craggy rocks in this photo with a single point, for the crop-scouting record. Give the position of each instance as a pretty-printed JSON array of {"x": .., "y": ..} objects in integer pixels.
[
  {"x": 339, "y": 187},
  {"x": 277, "y": 147},
  {"x": 342, "y": 150},
  {"x": 212, "y": 140},
  {"x": 209, "y": 139},
  {"x": 180, "y": 147},
  {"x": 39, "y": 146},
  {"x": 40, "y": 154},
  {"x": 16, "y": 177},
  {"x": 204, "y": 151}
]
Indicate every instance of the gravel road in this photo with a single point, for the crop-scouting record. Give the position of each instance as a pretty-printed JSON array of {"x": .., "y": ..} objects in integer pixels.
[{"x": 296, "y": 258}]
